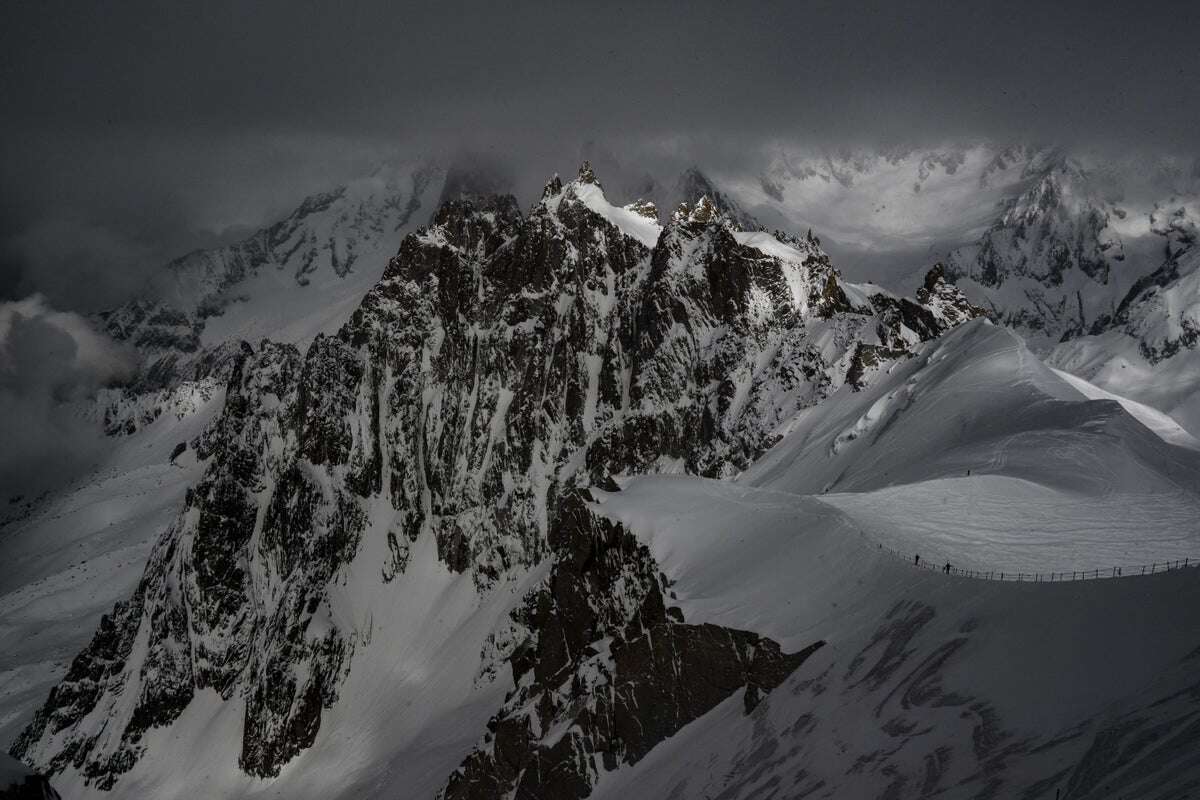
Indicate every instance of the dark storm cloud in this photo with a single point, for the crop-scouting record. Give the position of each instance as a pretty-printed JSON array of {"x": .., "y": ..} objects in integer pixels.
[{"x": 133, "y": 131}]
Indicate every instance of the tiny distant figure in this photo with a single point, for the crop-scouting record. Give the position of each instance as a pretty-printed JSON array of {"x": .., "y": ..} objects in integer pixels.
[
  {"x": 968, "y": 473},
  {"x": 917, "y": 560},
  {"x": 947, "y": 567}
]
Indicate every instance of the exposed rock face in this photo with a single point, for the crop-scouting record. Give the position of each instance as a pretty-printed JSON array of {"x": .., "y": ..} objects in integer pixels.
[
  {"x": 499, "y": 361},
  {"x": 693, "y": 185},
  {"x": 607, "y": 671},
  {"x": 901, "y": 322},
  {"x": 1052, "y": 246}
]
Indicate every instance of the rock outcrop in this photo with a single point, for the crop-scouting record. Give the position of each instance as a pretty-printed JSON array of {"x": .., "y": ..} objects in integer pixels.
[{"x": 607, "y": 670}]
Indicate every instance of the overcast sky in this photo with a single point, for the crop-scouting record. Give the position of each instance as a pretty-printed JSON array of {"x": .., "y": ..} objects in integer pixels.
[{"x": 135, "y": 131}]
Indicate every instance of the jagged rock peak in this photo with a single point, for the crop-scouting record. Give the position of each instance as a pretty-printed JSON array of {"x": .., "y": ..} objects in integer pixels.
[
  {"x": 644, "y": 207},
  {"x": 587, "y": 175},
  {"x": 470, "y": 222},
  {"x": 945, "y": 300},
  {"x": 693, "y": 185},
  {"x": 935, "y": 276},
  {"x": 553, "y": 187},
  {"x": 704, "y": 212}
]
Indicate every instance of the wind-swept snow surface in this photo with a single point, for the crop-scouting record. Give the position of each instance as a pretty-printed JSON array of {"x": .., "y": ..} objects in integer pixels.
[{"x": 928, "y": 684}]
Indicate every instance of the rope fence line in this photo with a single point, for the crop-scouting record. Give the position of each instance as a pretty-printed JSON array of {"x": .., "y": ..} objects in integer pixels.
[{"x": 1121, "y": 571}]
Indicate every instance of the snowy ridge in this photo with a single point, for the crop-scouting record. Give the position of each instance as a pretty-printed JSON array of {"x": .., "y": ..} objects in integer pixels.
[
  {"x": 1095, "y": 485},
  {"x": 924, "y": 685}
]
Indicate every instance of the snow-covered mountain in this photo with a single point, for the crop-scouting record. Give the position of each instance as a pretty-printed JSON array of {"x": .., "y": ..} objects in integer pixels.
[
  {"x": 601, "y": 499},
  {"x": 1092, "y": 259},
  {"x": 886, "y": 211},
  {"x": 292, "y": 280},
  {"x": 74, "y": 552},
  {"x": 80, "y": 547},
  {"x": 1106, "y": 285},
  {"x": 500, "y": 360},
  {"x": 898, "y": 682}
]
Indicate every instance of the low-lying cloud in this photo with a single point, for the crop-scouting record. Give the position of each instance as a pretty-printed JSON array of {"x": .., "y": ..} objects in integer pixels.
[
  {"x": 49, "y": 360},
  {"x": 137, "y": 131}
]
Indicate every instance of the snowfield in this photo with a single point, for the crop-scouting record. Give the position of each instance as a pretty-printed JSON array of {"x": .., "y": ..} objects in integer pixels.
[{"x": 927, "y": 681}]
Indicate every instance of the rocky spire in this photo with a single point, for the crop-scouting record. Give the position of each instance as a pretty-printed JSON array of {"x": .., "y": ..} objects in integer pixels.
[
  {"x": 646, "y": 208},
  {"x": 704, "y": 212},
  {"x": 935, "y": 276},
  {"x": 553, "y": 187},
  {"x": 587, "y": 175}
]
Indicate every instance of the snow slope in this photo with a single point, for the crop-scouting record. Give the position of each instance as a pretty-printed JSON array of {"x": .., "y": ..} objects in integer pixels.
[
  {"x": 1162, "y": 424},
  {"x": 1150, "y": 353},
  {"x": 1094, "y": 486},
  {"x": 928, "y": 685},
  {"x": 1113, "y": 361},
  {"x": 934, "y": 685},
  {"x": 81, "y": 550}
]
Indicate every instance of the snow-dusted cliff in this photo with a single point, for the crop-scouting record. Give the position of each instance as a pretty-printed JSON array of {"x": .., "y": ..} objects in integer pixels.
[{"x": 500, "y": 360}]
